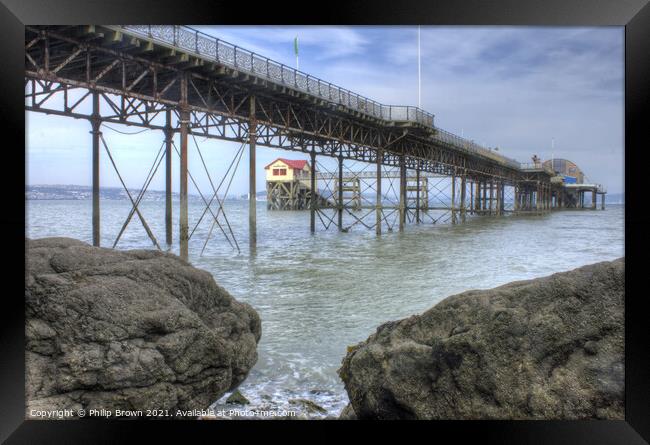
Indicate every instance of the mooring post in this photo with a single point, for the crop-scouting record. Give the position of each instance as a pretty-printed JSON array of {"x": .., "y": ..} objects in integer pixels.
[
  {"x": 96, "y": 122},
  {"x": 169, "y": 135},
  {"x": 184, "y": 129},
  {"x": 378, "y": 204},
  {"x": 314, "y": 197},
  {"x": 252, "y": 186},
  {"x": 453, "y": 197},
  {"x": 462, "y": 197},
  {"x": 340, "y": 193},
  {"x": 402, "y": 193},
  {"x": 417, "y": 196}
]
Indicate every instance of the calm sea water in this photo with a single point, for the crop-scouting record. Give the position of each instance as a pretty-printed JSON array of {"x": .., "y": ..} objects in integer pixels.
[{"x": 317, "y": 294}]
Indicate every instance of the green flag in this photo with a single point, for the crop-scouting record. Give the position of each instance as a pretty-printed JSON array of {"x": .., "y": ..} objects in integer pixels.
[{"x": 295, "y": 45}]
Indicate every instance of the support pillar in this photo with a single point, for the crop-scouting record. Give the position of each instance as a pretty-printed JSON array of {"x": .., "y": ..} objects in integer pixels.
[
  {"x": 169, "y": 135},
  {"x": 492, "y": 197},
  {"x": 252, "y": 186},
  {"x": 498, "y": 186},
  {"x": 184, "y": 129},
  {"x": 453, "y": 197},
  {"x": 340, "y": 194},
  {"x": 314, "y": 197},
  {"x": 517, "y": 197},
  {"x": 602, "y": 201},
  {"x": 593, "y": 199},
  {"x": 417, "y": 196},
  {"x": 402, "y": 193},
  {"x": 462, "y": 197},
  {"x": 96, "y": 123},
  {"x": 471, "y": 195},
  {"x": 484, "y": 203},
  {"x": 378, "y": 203}
]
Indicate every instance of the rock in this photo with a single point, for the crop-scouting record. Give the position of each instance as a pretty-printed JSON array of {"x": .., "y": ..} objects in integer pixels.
[
  {"x": 549, "y": 348},
  {"x": 237, "y": 398},
  {"x": 348, "y": 413},
  {"x": 130, "y": 330},
  {"x": 308, "y": 405}
]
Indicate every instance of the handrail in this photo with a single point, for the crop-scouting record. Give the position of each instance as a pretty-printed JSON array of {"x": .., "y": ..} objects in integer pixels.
[{"x": 224, "y": 53}]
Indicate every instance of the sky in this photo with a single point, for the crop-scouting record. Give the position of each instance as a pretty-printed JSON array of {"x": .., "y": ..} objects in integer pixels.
[{"x": 553, "y": 92}]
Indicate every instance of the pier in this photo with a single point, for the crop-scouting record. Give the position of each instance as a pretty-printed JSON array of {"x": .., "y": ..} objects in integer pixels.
[{"x": 394, "y": 166}]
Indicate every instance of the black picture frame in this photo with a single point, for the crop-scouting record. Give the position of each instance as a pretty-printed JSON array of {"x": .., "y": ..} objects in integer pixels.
[{"x": 633, "y": 14}]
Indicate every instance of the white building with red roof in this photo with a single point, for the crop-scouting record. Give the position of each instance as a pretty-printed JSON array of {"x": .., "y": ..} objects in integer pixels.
[{"x": 286, "y": 170}]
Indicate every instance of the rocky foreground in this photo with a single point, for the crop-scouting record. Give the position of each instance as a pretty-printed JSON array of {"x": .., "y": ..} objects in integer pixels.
[
  {"x": 549, "y": 348},
  {"x": 131, "y": 330}
]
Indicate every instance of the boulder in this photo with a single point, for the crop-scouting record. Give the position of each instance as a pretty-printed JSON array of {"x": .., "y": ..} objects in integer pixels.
[
  {"x": 130, "y": 330},
  {"x": 548, "y": 348}
]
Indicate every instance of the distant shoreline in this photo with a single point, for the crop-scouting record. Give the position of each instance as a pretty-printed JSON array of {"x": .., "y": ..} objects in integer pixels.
[{"x": 84, "y": 193}]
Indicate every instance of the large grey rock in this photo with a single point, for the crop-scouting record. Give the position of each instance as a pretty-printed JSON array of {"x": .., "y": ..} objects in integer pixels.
[
  {"x": 549, "y": 348},
  {"x": 129, "y": 330}
]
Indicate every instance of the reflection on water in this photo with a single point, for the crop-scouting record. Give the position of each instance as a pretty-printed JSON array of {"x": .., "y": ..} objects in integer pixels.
[{"x": 318, "y": 294}]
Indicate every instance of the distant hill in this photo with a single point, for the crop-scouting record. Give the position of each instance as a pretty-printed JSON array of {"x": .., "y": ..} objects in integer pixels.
[{"x": 83, "y": 192}]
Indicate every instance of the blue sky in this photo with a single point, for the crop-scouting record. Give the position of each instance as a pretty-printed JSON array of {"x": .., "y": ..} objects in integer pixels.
[{"x": 517, "y": 88}]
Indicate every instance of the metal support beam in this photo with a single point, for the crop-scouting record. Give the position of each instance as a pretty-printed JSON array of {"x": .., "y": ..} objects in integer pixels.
[
  {"x": 252, "y": 187},
  {"x": 184, "y": 129},
  {"x": 471, "y": 197},
  {"x": 453, "y": 197},
  {"x": 593, "y": 199},
  {"x": 169, "y": 135},
  {"x": 96, "y": 122},
  {"x": 340, "y": 194},
  {"x": 313, "y": 194},
  {"x": 402, "y": 193},
  {"x": 378, "y": 203},
  {"x": 492, "y": 211},
  {"x": 463, "y": 185},
  {"x": 417, "y": 196}
]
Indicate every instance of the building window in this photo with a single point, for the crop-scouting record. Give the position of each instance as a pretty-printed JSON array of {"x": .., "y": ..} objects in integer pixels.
[
  {"x": 276, "y": 171},
  {"x": 283, "y": 172}
]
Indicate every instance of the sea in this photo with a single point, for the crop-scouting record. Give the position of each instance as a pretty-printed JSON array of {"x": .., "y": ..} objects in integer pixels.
[{"x": 317, "y": 294}]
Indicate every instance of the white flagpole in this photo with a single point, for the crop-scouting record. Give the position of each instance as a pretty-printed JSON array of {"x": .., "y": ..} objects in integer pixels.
[{"x": 419, "y": 73}]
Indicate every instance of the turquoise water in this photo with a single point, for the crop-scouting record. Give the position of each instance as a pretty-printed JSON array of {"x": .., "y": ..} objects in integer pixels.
[{"x": 317, "y": 294}]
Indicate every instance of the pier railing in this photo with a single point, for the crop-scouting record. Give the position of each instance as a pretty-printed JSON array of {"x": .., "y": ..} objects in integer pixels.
[
  {"x": 222, "y": 52},
  {"x": 473, "y": 147},
  {"x": 211, "y": 48}
]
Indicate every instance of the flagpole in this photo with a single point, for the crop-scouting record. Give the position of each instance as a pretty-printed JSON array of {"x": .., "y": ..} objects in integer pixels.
[{"x": 419, "y": 73}]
